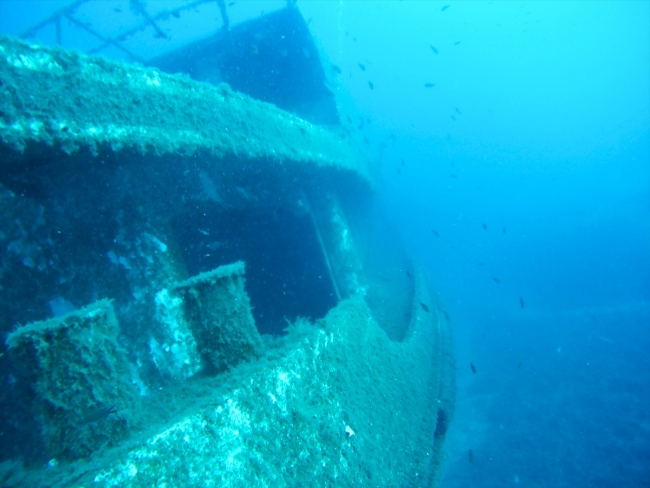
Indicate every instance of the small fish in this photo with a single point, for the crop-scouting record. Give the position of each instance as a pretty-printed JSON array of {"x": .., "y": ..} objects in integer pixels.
[
  {"x": 496, "y": 280},
  {"x": 484, "y": 226},
  {"x": 365, "y": 139},
  {"x": 521, "y": 302},
  {"x": 456, "y": 43},
  {"x": 117, "y": 10},
  {"x": 458, "y": 112},
  {"x": 453, "y": 118},
  {"x": 480, "y": 264},
  {"x": 176, "y": 15},
  {"x": 402, "y": 160},
  {"x": 452, "y": 175},
  {"x": 471, "y": 365},
  {"x": 504, "y": 230},
  {"x": 429, "y": 85},
  {"x": 360, "y": 124},
  {"x": 399, "y": 171},
  {"x": 442, "y": 10},
  {"x": 231, "y": 4},
  {"x": 433, "y": 49},
  {"x": 408, "y": 274},
  {"x": 470, "y": 455},
  {"x": 336, "y": 69},
  {"x": 520, "y": 363},
  {"x": 97, "y": 414},
  {"x": 435, "y": 233},
  {"x": 424, "y": 307},
  {"x": 371, "y": 85},
  {"x": 363, "y": 68}
]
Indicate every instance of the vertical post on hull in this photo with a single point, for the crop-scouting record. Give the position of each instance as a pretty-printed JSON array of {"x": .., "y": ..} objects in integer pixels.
[{"x": 322, "y": 246}]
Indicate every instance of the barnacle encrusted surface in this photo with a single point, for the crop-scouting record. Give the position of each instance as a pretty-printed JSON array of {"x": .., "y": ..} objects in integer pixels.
[{"x": 56, "y": 99}]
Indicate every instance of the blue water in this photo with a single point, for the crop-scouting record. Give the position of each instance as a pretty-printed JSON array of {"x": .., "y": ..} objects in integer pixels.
[
  {"x": 525, "y": 192},
  {"x": 552, "y": 145}
]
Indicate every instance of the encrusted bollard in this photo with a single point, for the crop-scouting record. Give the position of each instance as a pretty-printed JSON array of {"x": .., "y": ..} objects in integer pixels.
[
  {"x": 81, "y": 377},
  {"x": 216, "y": 306}
]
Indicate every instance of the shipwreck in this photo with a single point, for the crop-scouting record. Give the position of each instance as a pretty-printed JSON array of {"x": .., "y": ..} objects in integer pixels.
[{"x": 197, "y": 287}]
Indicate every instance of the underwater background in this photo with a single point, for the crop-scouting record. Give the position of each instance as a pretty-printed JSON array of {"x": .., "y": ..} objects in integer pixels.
[
  {"x": 513, "y": 141},
  {"x": 524, "y": 189}
]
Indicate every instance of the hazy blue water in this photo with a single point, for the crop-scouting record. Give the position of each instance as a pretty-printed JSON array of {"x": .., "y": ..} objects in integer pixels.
[
  {"x": 550, "y": 140},
  {"x": 552, "y": 143}
]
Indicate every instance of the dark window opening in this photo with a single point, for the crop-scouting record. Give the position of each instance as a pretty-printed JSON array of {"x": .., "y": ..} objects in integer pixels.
[{"x": 286, "y": 275}]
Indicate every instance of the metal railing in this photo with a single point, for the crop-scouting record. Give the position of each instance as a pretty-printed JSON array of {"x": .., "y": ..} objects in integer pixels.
[{"x": 138, "y": 8}]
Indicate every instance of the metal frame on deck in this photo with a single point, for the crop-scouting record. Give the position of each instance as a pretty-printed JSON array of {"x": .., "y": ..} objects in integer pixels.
[{"x": 117, "y": 40}]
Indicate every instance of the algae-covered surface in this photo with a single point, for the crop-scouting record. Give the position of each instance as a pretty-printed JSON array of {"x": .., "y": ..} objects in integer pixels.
[
  {"x": 85, "y": 394},
  {"x": 117, "y": 155},
  {"x": 335, "y": 403},
  {"x": 52, "y": 99}
]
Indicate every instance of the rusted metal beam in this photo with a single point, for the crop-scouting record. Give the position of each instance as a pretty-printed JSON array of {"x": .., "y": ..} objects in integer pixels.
[
  {"x": 67, "y": 12},
  {"x": 102, "y": 38},
  {"x": 125, "y": 34},
  {"x": 137, "y": 6},
  {"x": 52, "y": 18}
]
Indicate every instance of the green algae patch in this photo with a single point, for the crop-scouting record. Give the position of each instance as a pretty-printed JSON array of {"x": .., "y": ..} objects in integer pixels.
[
  {"x": 217, "y": 309},
  {"x": 81, "y": 379},
  {"x": 338, "y": 404},
  {"x": 52, "y": 98}
]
